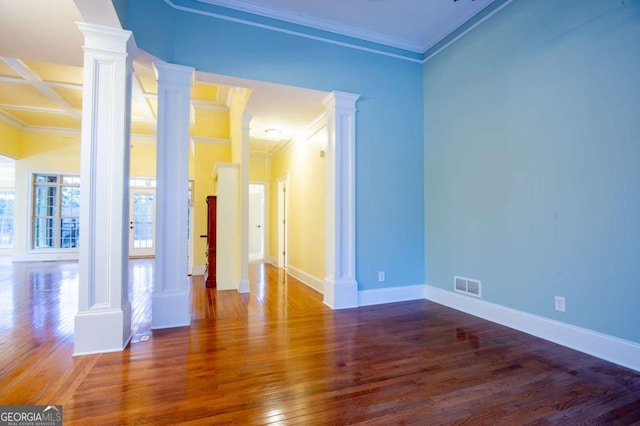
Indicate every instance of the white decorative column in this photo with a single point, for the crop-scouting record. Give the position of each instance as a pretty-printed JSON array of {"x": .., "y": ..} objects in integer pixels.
[
  {"x": 243, "y": 285},
  {"x": 103, "y": 321},
  {"x": 171, "y": 293},
  {"x": 341, "y": 288},
  {"x": 228, "y": 241}
]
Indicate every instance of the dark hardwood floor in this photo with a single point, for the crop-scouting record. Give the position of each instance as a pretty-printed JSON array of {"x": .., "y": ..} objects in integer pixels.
[{"x": 279, "y": 356}]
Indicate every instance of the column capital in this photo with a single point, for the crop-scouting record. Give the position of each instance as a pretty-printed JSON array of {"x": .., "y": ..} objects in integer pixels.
[
  {"x": 167, "y": 73},
  {"x": 340, "y": 100},
  {"x": 109, "y": 39}
]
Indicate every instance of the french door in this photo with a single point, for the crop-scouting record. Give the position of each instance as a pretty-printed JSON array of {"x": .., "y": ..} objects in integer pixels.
[{"x": 142, "y": 222}]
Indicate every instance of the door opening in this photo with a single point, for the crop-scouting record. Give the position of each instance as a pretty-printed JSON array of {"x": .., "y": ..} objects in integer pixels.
[
  {"x": 257, "y": 237},
  {"x": 142, "y": 222},
  {"x": 283, "y": 207}
]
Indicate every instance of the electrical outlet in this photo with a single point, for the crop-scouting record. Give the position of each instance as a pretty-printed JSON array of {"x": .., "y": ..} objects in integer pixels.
[
  {"x": 381, "y": 276},
  {"x": 560, "y": 306}
]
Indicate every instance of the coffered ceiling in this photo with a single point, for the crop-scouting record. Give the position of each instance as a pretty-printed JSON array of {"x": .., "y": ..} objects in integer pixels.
[{"x": 41, "y": 62}]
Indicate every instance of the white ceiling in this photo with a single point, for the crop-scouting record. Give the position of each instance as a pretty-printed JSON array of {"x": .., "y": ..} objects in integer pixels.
[{"x": 414, "y": 25}]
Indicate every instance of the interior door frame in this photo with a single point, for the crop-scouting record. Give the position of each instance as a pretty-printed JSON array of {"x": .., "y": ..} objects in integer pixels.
[
  {"x": 133, "y": 252},
  {"x": 265, "y": 219},
  {"x": 283, "y": 221}
]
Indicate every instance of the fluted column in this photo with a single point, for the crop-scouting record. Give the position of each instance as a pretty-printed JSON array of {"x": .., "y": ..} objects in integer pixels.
[
  {"x": 171, "y": 297},
  {"x": 341, "y": 287},
  {"x": 103, "y": 321}
]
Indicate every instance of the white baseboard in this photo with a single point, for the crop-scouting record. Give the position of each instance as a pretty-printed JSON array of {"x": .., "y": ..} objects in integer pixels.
[
  {"x": 45, "y": 257},
  {"x": 198, "y": 269},
  {"x": 619, "y": 351},
  {"x": 272, "y": 260},
  {"x": 306, "y": 278},
  {"x": 390, "y": 295}
]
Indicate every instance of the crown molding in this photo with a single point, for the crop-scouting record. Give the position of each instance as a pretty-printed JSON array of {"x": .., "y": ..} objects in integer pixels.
[
  {"x": 206, "y": 105},
  {"x": 380, "y": 51},
  {"x": 214, "y": 141},
  {"x": 317, "y": 23},
  {"x": 12, "y": 121},
  {"x": 455, "y": 35}
]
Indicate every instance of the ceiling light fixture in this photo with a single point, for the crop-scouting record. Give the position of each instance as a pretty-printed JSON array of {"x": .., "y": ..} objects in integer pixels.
[{"x": 273, "y": 133}]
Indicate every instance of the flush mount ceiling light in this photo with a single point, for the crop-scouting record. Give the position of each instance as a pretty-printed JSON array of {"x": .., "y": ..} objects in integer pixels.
[{"x": 273, "y": 133}]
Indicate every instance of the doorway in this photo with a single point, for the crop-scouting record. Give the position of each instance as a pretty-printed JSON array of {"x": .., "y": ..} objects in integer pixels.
[
  {"x": 257, "y": 220},
  {"x": 283, "y": 208},
  {"x": 142, "y": 222}
]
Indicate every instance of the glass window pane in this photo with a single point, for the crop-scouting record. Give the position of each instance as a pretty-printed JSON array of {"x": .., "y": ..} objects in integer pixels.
[
  {"x": 45, "y": 201},
  {"x": 70, "y": 201},
  {"x": 46, "y": 178},
  {"x": 43, "y": 233},
  {"x": 72, "y": 180},
  {"x": 6, "y": 231},
  {"x": 69, "y": 233}
]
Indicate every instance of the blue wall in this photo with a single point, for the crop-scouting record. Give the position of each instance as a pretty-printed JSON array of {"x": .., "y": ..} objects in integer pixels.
[
  {"x": 389, "y": 174},
  {"x": 532, "y": 161}
]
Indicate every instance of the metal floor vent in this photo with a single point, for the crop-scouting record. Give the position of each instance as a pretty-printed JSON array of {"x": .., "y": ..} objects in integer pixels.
[{"x": 467, "y": 286}]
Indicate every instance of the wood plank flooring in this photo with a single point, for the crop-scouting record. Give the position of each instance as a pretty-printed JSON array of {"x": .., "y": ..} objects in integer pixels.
[{"x": 279, "y": 356}]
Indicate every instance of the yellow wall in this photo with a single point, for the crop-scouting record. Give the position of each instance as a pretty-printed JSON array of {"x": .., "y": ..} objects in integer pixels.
[
  {"x": 307, "y": 204},
  {"x": 206, "y": 155},
  {"x": 259, "y": 169},
  {"x": 143, "y": 159},
  {"x": 236, "y": 111},
  {"x": 10, "y": 141}
]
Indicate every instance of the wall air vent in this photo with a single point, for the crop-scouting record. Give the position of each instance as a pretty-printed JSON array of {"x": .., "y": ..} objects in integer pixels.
[{"x": 467, "y": 286}]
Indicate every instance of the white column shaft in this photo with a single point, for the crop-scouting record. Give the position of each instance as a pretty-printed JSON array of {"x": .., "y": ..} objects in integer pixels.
[
  {"x": 243, "y": 286},
  {"x": 170, "y": 300},
  {"x": 103, "y": 322},
  {"x": 341, "y": 288}
]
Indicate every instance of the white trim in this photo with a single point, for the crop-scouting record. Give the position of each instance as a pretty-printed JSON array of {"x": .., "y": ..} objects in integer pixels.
[
  {"x": 466, "y": 31},
  {"x": 102, "y": 331},
  {"x": 295, "y": 33},
  {"x": 318, "y": 23},
  {"x": 37, "y": 83},
  {"x": 380, "y": 296},
  {"x": 610, "y": 348},
  {"x": 46, "y": 257},
  {"x": 12, "y": 121},
  {"x": 212, "y": 141},
  {"x": 306, "y": 278},
  {"x": 207, "y": 105},
  {"x": 198, "y": 270}
]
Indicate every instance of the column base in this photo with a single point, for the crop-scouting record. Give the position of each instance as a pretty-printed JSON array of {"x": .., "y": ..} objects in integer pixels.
[
  {"x": 100, "y": 331},
  {"x": 243, "y": 287},
  {"x": 170, "y": 310},
  {"x": 341, "y": 294}
]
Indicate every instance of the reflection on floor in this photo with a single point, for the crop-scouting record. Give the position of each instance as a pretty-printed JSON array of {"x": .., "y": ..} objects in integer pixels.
[{"x": 279, "y": 356}]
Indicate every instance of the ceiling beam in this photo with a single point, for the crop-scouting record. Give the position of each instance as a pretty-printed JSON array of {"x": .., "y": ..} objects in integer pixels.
[
  {"x": 32, "y": 78},
  {"x": 140, "y": 98}
]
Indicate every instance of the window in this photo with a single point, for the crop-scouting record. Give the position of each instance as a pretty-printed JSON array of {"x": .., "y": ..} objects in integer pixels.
[
  {"x": 56, "y": 211},
  {"x": 6, "y": 217}
]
